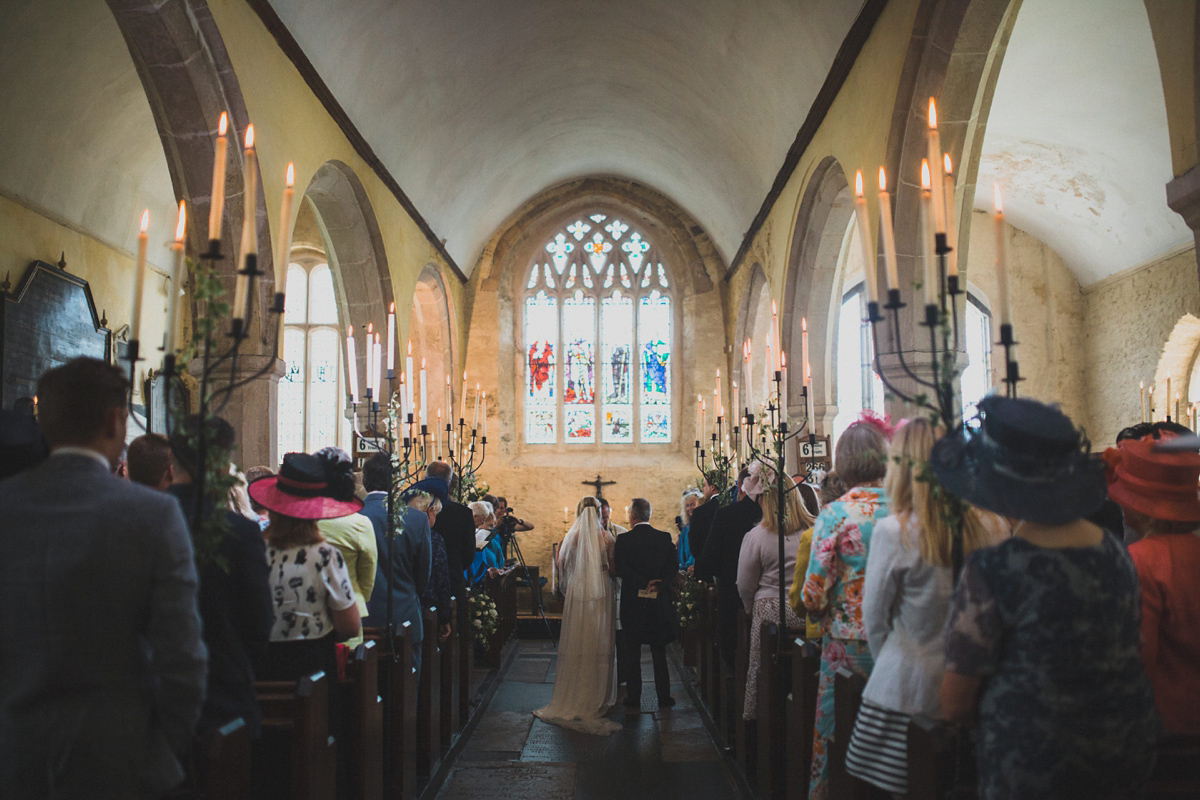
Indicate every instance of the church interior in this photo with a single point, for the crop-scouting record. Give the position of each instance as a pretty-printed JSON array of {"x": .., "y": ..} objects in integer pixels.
[{"x": 572, "y": 246}]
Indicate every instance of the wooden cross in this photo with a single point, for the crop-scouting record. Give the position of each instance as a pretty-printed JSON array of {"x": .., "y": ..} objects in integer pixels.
[{"x": 599, "y": 484}]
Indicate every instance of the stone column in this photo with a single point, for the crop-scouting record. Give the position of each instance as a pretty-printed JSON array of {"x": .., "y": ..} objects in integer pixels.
[
  {"x": 253, "y": 409},
  {"x": 1183, "y": 196}
]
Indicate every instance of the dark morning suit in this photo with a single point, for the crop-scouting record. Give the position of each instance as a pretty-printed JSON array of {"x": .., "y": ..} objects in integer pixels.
[
  {"x": 720, "y": 560},
  {"x": 236, "y": 608},
  {"x": 643, "y": 554},
  {"x": 456, "y": 524},
  {"x": 701, "y": 524},
  {"x": 101, "y": 661},
  {"x": 410, "y": 565}
]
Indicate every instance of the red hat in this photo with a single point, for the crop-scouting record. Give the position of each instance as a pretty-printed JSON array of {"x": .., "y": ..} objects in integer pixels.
[
  {"x": 1160, "y": 485},
  {"x": 308, "y": 487}
]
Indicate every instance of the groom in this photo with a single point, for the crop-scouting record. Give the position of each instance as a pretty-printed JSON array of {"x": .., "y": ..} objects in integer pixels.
[{"x": 646, "y": 563}]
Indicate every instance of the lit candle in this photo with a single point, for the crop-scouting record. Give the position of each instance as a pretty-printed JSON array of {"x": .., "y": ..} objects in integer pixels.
[
  {"x": 405, "y": 409},
  {"x": 749, "y": 348},
  {"x": 139, "y": 285},
  {"x": 1177, "y": 417},
  {"x": 475, "y": 420},
  {"x": 699, "y": 423},
  {"x": 437, "y": 436},
  {"x": 777, "y": 338},
  {"x": 370, "y": 353},
  {"x": 737, "y": 409},
  {"x": 1001, "y": 260},
  {"x": 717, "y": 391},
  {"x": 462, "y": 400},
  {"x": 716, "y": 428},
  {"x": 485, "y": 415},
  {"x": 216, "y": 208},
  {"x": 931, "y": 280},
  {"x": 408, "y": 368},
  {"x": 241, "y": 294},
  {"x": 352, "y": 364},
  {"x": 378, "y": 369},
  {"x": 804, "y": 350},
  {"x": 770, "y": 367},
  {"x": 1150, "y": 400},
  {"x": 1142, "y": 398},
  {"x": 391, "y": 343},
  {"x": 809, "y": 397},
  {"x": 446, "y": 402},
  {"x": 951, "y": 222},
  {"x": 284, "y": 252},
  {"x": 870, "y": 267},
  {"x": 889, "y": 235},
  {"x": 424, "y": 396},
  {"x": 178, "y": 275},
  {"x": 1168, "y": 400},
  {"x": 783, "y": 387},
  {"x": 703, "y": 420},
  {"x": 934, "y": 141},
  {"x": 565, "y": 515}
]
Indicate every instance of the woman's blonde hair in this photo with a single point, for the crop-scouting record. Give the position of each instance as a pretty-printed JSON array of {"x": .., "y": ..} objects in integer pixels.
[
  {"x": 587, "y": 502},
  {"x": 683, "y": 509},
  {"x": 910, "y": 489},
  {"x": 795, "y": 516},
  {"x": 421, "y": 501},
  {"x": 285, "y": 531}
]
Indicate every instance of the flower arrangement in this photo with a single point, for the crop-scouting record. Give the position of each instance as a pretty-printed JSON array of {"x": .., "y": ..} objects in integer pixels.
[
  {"x": 483, "y": 616},
  {"x": 688, "y": 597}
]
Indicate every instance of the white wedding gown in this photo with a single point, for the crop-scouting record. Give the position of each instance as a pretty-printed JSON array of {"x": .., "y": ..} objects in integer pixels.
[{"x": 585, "y": 680}]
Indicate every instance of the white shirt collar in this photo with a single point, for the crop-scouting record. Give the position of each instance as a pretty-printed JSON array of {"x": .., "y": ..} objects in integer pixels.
[
  {"x": 372, "y": 494},
  {"x": 71, "y": 450}
]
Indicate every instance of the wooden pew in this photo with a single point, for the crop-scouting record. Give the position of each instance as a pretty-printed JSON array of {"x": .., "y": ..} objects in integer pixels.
[
  {"x": 222, "y": 762},
  {"x": 428, "y": 694},
  {"x": 365, "y": 753},
  {"x": 399, "y": 685},
  {"x": 744, "y": 732},
  {"x": 448, "y": 684},
  {"x": 847, "y": 697},
  {"x": 703, "y": 648},
  {"x": 772, "y": 688},
  {"x": 466, "y": 667},
  {"x": 802, "y": 715},
  {"x": 502, "y": 589},
  {"x": 296, "y": 726},
  {"x": 718, "y": 672},
  {"x": 941, "y": 760},
  {"x": 1177, "y": 771}
]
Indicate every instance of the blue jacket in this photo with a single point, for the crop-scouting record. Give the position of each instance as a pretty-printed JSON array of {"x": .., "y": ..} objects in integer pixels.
[{"x": 409, "y": 565}]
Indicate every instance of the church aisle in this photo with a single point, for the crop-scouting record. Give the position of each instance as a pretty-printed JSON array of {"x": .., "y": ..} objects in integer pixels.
[{"x": 658, "y": 755}]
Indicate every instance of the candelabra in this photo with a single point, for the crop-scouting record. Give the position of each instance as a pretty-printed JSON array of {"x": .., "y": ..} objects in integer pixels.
[{"x": 460, "y": 453}]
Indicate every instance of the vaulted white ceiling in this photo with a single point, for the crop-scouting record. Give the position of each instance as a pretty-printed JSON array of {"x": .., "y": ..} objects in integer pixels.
[
  {"x": 475, "y": 106},
  {"x": 1077, "y": 136}
]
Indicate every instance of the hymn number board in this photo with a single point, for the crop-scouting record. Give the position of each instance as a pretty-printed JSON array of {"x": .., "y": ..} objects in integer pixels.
[{"x": 49, "y": 319}]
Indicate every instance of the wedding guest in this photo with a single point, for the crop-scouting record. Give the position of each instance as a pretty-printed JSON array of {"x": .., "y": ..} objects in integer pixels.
[
  {"x": 253, "y": 474},
  {"x": 457, "y": 528},
  {"x": 702, "y": 516},
  {"x": 354, "y": 537},
  {"x": 310, "y": 586},
  {"x": 148, "y": 460},
  {"x": 406, "y": 571},
  {"x": 426, "y": 496},
  {"x": 235, "y": 597},
  {"x": 239, "y": 495},
  {"x": 22, "y": 446},
  {"x": 488, "y": 553},
  {"x": 719, "y": 562},
  {"x": 906, "y": 600},
  {"x": 1157, "y": 492},
  {"x": 759, "y": 570},
  {"x": 831, "y": 489},
  {"x": 687, "y": 504},
  {"x": 615, "y": 530},
  {"x": 1042, "y": 641},
  {"x": 102, "y": 663},
  {"x": 836, "y": 571}
]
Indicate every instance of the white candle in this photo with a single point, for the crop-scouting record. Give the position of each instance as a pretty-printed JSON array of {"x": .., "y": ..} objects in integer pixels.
[
  {"x": 437, "y": 436},
  {"x": 870, "y": 267},
  {"x": 378, "y": 351},
  {"x": 934, "y": 140},
  {"x": 951, "y": 220},
  {"x": 1142, "y": 398},
  {"x": 770, "y": 367},
  {"x": 783, "y": 393},
  {"x": 408, "y": 368},
  {"x": 809, "y": 398},
  {"x": 403, "y": 396},
  {"x": 475, "y": 420},
  {"x": 804, "y": 349},
  {"x": 446, "y": 403},
  {"x": 1150, "y": 396},
  {"x": 749, "y": 348},
  {"x": 241, "y": 295},
  {"x": 462, "y": 399},
  {"x": 391, "y": 342},
  {"x": 178, "y": 275},
  {"x": 485, "y": 415},
  {"x": 1168, "y": 400},
  {"x": 370, "y": 354},
  {"x": 737, "y": 409},
  {"x": 1001, "y": 261},
  {"x": 352, "y": 364},
  {"x": 703, "y": 421},
  {"x": 776, "y": 337},
  {"x": 927, "y": 221},
  {"x": 139, "y": 284},
  {"x": 424, "y": 395},
  {"x": 716, "y": 416},
  {"x": 717, "y": 391},
  {"x": 699, "y": 424},
  {"x": 216, "y": 207},
  {"x": 283, "y": 253},
  {"x": 889, "y": 235}
]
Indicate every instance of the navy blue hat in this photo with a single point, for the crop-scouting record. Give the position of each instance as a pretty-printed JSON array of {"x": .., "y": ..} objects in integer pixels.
[{"x": 434, "y": 486}]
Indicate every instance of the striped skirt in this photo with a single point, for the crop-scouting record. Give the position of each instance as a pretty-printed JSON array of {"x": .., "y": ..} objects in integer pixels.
[{"x": 878, "y": 751}]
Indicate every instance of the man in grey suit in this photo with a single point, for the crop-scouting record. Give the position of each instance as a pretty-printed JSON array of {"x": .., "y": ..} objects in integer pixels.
[
  {"x": 411, "y": 556},
  {"x": 101, "y": 662}
]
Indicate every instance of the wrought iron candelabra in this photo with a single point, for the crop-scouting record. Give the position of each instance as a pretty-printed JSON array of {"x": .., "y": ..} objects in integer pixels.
[{"x": 461, "y": 453}]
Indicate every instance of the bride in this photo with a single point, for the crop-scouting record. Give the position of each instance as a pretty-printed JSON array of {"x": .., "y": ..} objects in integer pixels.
[{"x": 585, "y": 684}]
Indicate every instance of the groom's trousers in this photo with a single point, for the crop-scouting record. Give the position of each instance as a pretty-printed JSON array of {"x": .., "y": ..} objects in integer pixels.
[{"x": 662, "y": 676}]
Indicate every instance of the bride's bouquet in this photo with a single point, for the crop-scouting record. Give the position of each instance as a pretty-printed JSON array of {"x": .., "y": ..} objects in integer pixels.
[{"x": 483, "y": 616}]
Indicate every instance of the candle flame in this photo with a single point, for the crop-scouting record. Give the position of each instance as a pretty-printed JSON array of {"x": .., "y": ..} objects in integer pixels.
[
  {"x": 291, "y": 175},
  {"x": 145, "y": 221},
  {"x": 808, "y": 373},
  {"x": 947, "y": 164},
  {"x": 223, "y": 124},
  {"x": 996, "y": 198},
  {"x": 882, "y": 180},
  {"x": 774, "y": 308},
  {"x": 370, "y": 329},
  {"x": 392, "y": 310},
  {"x": 782, "y": 360},
  {"x": 249, "y": 137},
  {"x": 1141, "y": 384},
  {"x": 485, "y": 395},
  {"x": 926, "y": 181},
  {"x": 858, "y": 190},
  {"x": 349, "y": 331},
  {"x": 932, "y": 113},
  {"x": 377, "y": 339},
  {"x": 477, "y": 387},
  {"x": 718, "y": 374},
  {"x": 804, "y": 323},
  {"x": 181, "y": 224},
  {"x": 464, "y": 377},
  {"x": 422, "y": 362},
  {"x": 410, "y": 344},
  {"x": 447, "y": 380}
]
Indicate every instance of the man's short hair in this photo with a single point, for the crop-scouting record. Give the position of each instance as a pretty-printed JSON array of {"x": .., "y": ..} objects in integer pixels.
[
  {"x": 440, "y": 469},
  {"x": 503, "y": 500},
  {"x": 603, "y": 503},
  {"x": 148, "y": 459},
  {"x": 184, "y": 441},
  {"x": 74, "y": 399},
  {"x": 640, "y": 509},
  {"x": 377, "y": 473},
  {"x": 712, "y": 478}
]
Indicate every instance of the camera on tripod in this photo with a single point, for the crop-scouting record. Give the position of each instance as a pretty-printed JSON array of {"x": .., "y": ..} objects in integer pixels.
[{"x": 506, "y": 527}]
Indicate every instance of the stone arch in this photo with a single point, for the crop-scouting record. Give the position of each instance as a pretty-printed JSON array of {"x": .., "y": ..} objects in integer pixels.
[
  {"x": 813, "y": 283},
  {"x": 432, "y": 331},
  {"x": 1177, "y": 358},
  {"x": 753, "y": 321}
]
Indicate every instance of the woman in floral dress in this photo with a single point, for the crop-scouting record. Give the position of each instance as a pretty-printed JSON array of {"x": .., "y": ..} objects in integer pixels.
[{"x": 837, "y": 568}]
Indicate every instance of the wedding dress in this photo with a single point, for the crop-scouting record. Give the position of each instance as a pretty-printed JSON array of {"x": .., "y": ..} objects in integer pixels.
[{"x": 585, "y": 681}]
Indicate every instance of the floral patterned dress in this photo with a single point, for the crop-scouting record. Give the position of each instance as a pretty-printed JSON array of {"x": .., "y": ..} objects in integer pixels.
[
  {"x": 832, "y": 592},
  {"x": 1066, "y": 709}
]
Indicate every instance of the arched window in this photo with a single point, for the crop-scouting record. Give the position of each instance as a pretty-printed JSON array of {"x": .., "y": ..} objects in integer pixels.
[
  {"x": 310, "y": 392},
  {"x": 858, "y": 386},
  {"x": 598, "y": 289},
  {"x": 976, "y": 378}
]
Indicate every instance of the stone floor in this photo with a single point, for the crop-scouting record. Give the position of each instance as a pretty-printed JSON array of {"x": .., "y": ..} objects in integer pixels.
[{"x": 657, "y": 755}]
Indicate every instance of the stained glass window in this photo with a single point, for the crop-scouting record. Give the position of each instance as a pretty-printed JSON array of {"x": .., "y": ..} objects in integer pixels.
[
  {"x": 311, "y": 392},
  {"x": 604, "y": 296}
]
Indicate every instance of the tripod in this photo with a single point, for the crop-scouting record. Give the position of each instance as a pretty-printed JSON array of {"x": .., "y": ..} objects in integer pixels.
[{"x": 510, "y": 538}]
